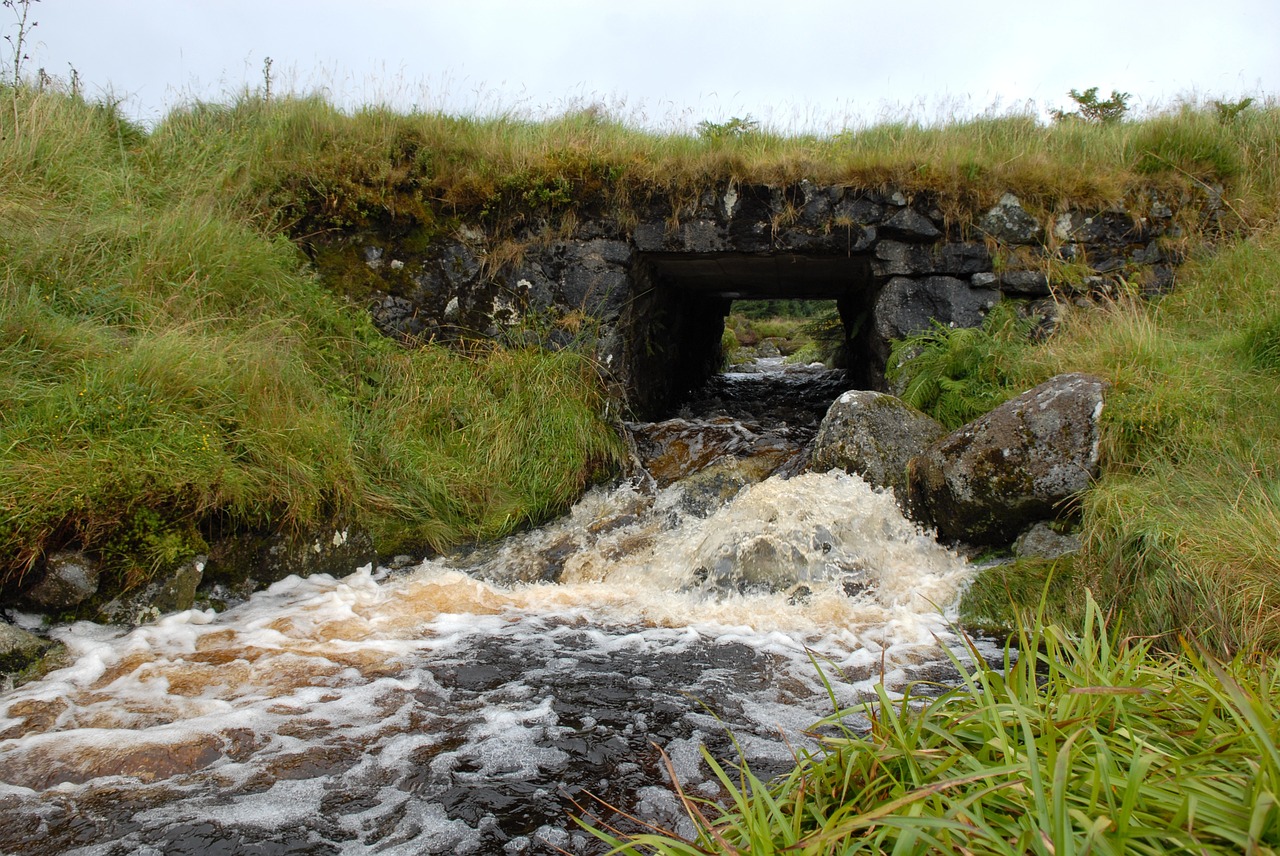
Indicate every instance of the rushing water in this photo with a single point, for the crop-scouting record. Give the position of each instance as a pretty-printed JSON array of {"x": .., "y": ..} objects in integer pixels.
[{"x": 474, "y": 704}]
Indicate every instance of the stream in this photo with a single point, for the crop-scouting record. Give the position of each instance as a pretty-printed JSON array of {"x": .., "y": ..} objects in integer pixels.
[{"x": 479, "y": 702}]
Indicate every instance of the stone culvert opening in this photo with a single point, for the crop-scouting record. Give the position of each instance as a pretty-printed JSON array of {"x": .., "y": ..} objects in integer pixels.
[
  {"x": 676, "y": 317},
  {"x": 656, "y": 292}
]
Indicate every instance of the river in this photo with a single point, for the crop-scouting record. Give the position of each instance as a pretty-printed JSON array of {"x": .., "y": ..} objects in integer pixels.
[{"x": 477, "y": 703}]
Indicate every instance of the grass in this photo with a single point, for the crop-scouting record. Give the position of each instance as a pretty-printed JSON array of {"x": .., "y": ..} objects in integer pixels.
[
  {"x": 170, "y": 361},
  {"x": 1182, "y": 531},
  {"x": 1082, "y": 744},
  {"x": 302, "y": 165},
  {"x": 171, "y": 368}
]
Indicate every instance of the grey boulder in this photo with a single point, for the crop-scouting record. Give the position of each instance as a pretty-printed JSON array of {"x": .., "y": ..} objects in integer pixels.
[
  {"x": 984, "y": 482},
  {"x": 873, "y": 435},
  {"x": 69, "y": 580}
]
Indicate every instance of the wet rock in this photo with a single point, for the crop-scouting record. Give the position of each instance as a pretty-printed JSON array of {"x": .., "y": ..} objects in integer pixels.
[
  {"x": 910, "y": 225},
  {"x": 1025, "y": 282},
  {"x": 1010, "y": 223},
  {"x": 242, "y": 565},
  {"x": 751, "y": 210},
  {"x": 675, "y": 448},
  {"x": 1041, "y": 541},
  {"x": 873, "y": 435},
  {"x": 594, "y": 276},
  {"x": 46, "y": 767},
  {"x": 906, "y": 306},
  {"x": 175, "y": 591},
  {"x": 21, "y": 651},
  {"x": 895, "y": 258},
  {"x": 815, "y": 205},
  {"x": 1021, "y": 462},
  {"x": 704, "y": 492},
  {"x": 859, "y": 210},
  {"x": 70, "y": 579}
]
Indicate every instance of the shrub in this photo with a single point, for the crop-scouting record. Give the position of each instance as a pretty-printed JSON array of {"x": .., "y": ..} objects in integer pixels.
[{"x": 1090, "y": 108}]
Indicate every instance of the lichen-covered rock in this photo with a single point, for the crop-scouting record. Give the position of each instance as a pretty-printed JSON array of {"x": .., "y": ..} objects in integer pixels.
[
  {"x": 242, "y": 565},
  {"x": 1021, "y": 462},
  {"x": 21, "y": 654},
  {"x": 1040, "y": 541},
  {"x": 70, "y": 578},
  {"x": 174, "y": 591},
  {"x": 1010, "y": 223},
  {"x": 873, "y": 435}
]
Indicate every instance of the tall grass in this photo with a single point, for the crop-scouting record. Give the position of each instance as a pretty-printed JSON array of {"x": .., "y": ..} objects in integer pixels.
[
  {"x": 1081, "y": 743},
  {"x": 170, "y": 367},
  {"x": 1181, "y": 530},
  {"x": 303, "y": 163}
]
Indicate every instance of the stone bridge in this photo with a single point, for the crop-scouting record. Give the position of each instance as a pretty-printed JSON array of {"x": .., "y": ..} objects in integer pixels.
[{"x": 650, "y": 293}]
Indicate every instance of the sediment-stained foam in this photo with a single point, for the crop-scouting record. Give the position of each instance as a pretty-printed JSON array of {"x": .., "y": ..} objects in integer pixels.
[{"x": 455, "y": 709}]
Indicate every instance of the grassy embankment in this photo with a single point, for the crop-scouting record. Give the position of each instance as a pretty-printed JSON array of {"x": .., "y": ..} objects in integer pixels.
[
  {"x": 146, "y": 275},
  {"x": 170, "y": 367},
  {"x": 1182, "y": 531},
  {"x": 168, "y": 363}
]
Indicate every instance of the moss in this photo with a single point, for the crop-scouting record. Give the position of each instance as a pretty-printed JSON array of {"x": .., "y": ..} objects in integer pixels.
[{"x": 343, "y": 271}]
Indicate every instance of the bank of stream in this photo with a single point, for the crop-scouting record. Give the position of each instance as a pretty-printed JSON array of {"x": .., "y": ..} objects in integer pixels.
[{"x": 476, "y": 703}]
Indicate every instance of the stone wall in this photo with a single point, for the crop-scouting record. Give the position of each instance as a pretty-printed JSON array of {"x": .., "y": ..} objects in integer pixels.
[{"x": 649, "y": 293}]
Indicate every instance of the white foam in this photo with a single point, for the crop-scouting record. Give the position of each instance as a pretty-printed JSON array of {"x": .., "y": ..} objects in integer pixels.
[{"x": 351, "y": 669}]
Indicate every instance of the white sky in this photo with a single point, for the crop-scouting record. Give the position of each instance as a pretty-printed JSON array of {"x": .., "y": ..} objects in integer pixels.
[{"x": 795, "y": 64}]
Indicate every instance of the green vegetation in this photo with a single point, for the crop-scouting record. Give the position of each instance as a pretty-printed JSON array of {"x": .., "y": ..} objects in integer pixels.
[
  {"x": 170, "y": 368},
  {"x": 804, "y": 331},
  {"x": 301, "y": 165},
  {"x": 1181, "y": 531},
  {"x": 1080, "y": 744},
  {"x": 754, "y": 322},
  {"x": 958, "y": 374},
  {"x": 1182, "y": 528},
  {"x": 1090, "y": 108}
]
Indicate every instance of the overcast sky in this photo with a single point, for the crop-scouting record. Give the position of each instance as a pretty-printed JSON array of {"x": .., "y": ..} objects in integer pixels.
[{"x": 795, "y": 64}]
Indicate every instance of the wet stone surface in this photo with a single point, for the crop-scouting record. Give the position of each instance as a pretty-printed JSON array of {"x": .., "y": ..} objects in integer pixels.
[
  {"x": 527, "y": 735},
  {"x": 765, "y": 414}
]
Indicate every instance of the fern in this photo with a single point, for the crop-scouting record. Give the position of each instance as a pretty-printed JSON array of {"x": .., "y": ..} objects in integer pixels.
[{"x": 957, "y": 374}]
